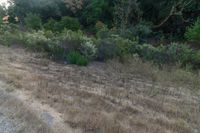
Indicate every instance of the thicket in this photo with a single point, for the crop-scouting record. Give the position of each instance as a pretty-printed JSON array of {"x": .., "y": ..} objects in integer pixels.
[{"x": 82, "y": 31}]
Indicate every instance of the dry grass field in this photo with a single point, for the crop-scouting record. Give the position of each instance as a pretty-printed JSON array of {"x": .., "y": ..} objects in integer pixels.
[{"x": 133, "y": 97}]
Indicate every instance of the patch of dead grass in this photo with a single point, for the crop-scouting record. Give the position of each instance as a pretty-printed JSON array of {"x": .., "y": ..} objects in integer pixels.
[{"x": 133, "y": 97}]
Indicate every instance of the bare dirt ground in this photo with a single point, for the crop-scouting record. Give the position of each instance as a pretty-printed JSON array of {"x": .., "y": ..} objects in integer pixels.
[{"x": 100, "y": 98}]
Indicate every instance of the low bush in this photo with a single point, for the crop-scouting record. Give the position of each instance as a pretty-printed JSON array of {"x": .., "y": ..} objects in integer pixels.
[
  {"x": 178, "y": 53},
  {"x": 147, "y": 51},
  {"x": 171, "y": 54},
  {"x": 79, "y": 49},
  {"x": 10, "y": 34},
  {"x": 12, "y": 28},
  {"x": 70, "y": 40},
  {"x": 70, "y": 23},
  {"x": 114, "y": 46},
  {"x": 36, "y": 41},
  {"x": 76, "y": 58},
  {"x": 88, "y": 48},
  {"x": 8, "y": 38},
  {"x": 77, "y": 41},
  {"x": 106, "y": 50},
  {"x": 193, "y": 32},
  {"x": 195, "y": 60}
]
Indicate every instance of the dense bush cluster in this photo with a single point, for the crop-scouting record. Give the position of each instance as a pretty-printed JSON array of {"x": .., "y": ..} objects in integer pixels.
[
  {"x": 77, "y": 48},
  {"x": 105, "y": 29}
]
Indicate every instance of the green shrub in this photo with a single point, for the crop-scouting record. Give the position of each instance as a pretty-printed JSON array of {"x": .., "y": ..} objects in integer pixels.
[
  {"x": 9, "y": 34},
  {"x": 178, "y": 52},
  {"x": 70, "y": 23},
  {"x": 51, "y": 25},
  {"x": 106, "y": 50},
  {"x": 76, "y": 58},
  {"x": 71, "y": 40},
  {"x": 147, "y": 51},
  {"x": 114, "y": 46},
  {"x": 44, "y": 41},
  {"x": 140, "y": 31},
  {"x": 77, "y": 41},
  {"x": 103, "y": 33},
  {"x": 66, "y": 22},
  {"x": 33, "y": 21},
  {"x": 55, "y": 51},
  {"x": 171, "y": 54},
  {"x": 88, "y": 48},
  {"x": 8, "y": 38},
  {"x": 12, "y": 28},
  {"x": 96, "y": 10},
  {"x": 36, "y": 41},
  {"x": 195, "y": 60},
  {"x": 193, "y": 32}
]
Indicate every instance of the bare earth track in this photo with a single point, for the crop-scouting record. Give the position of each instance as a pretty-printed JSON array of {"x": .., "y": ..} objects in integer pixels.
[{"x": 39, "y": 95}]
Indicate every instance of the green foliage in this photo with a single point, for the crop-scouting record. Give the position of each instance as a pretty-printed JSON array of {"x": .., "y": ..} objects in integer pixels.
[
  {"x": 51, "y": 25},
  {"x": 178, "y": 53},
  {"x": 114, "y": 46},
  {"x": 71, "y": 40},
  {"x": 45, "y": 8},
  {"x": 8, "y": 38},
  {"x": 195, "y": 59},
  {"x": 193, "y": 32},
  {"x": 68, "y": 23},
  {"x": 88, "y": 48},
  {"x": 126, "y": 13},
  {"x": 97, "y": 10},
  {"x": 2, "y": 11},
  {"x": 103, "y": 33},
  {"x": 36, "y": 41},
  {"x": 141, "y": 30},
  {"x": 76, "y": 58},
  {"x": 9, "y": 34},
  {"x": 9, "y": 28},
  {"x": 33, "y": 21},
  {"x": 77, "y": 41},
  {"x": 171, "y": 54}
]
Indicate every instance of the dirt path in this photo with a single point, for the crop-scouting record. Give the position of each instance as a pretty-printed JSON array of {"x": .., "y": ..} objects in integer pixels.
[
  {"x": 99, "y": 98},
  {"x": 20, "y": 112},
  {"x": 15, "y": 117}
]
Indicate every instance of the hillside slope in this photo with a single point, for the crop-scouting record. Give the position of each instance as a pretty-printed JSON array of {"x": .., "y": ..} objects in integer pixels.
[{"x": 100, "y": 98}]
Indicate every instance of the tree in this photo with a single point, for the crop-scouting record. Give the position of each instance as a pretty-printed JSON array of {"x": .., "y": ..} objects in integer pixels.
[
  {"x": 97, "y": 10},
  {"x": 45, "y": 8},
  {"x": 33, "y": 21},
  {"x": 175, "y": 14},
  {"x": 127, "y": 13},
  {"x": 2, "y": 13}
]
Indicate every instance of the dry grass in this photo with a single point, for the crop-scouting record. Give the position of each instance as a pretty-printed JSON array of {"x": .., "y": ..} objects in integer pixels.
[{"x": 133, "y": 97}]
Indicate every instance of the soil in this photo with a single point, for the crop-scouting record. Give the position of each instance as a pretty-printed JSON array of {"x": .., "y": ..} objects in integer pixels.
[{"x": 38, "y": 95}]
